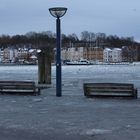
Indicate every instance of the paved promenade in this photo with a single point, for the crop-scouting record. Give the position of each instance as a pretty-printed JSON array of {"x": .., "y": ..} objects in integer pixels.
[{"x": 71, "y": 116}]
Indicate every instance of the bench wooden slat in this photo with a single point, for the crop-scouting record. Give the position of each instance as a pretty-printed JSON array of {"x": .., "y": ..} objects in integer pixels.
[
  {"x": 104, "y": 85},
  {"x": 109, "y": 86},
  {"x": 14, "y": 87},
  {"x": 111, "y": 94},
  {"x": 110, "y": 89}
]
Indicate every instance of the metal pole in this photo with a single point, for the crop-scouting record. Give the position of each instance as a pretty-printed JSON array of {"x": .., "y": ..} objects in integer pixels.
[{"x": 58, "y": 60}]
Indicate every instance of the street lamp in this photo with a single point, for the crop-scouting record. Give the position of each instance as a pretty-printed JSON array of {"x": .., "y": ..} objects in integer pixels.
[{"x": 58, "y": 12}]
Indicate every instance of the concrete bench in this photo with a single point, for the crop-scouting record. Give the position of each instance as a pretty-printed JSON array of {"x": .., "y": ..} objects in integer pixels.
[
  {"x": 19, "y": 87},
  {"x": 109, "y": 90}
]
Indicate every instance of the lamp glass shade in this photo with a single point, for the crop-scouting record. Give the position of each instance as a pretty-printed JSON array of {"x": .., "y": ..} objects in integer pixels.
[{"x": 58, "y": 11}]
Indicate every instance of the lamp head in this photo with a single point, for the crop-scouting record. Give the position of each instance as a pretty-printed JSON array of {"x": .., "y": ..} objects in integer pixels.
[{"x": 58, "y": 11}]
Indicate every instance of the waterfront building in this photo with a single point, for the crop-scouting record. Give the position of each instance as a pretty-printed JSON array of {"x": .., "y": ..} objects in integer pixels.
[
  {"x": 72, "y": 54},
  {"x": 93, "y": 53},
  {"x": 9, "y": 55},
  {"x": 112, "y": 55},
  {"x": 1, "y": 55},
  {"x": 64, "y": 54},
  {"x": 22, "y": 54},
  {"x": 78, "y": 53},
  {"x": 107, "y": 55},
  {"x": 117, "y": 55}
]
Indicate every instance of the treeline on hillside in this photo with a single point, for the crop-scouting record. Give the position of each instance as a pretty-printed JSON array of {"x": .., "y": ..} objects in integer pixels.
[{"x": 48, "y": 38}]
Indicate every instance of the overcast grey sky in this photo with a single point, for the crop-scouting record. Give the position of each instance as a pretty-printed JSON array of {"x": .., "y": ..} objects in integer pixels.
[{"x": 117, "y": 17}]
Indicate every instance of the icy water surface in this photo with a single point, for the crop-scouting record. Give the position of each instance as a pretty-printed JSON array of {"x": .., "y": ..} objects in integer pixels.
[{"x": 92, "y": 73}]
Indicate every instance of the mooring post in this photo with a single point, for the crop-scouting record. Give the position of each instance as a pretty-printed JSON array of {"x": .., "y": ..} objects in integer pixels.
[
  {"x": 48, "y": 61},
  {"x": 44, "y": 66},
  {"x": 41, "y": 68}
]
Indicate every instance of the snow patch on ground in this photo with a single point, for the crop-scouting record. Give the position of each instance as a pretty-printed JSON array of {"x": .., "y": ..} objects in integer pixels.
[{"x": 93, "y": 132}]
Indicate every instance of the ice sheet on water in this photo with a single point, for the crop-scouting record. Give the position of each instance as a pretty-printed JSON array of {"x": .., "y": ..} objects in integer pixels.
[
  {"x": 96, "y": 73},
  {"x": 18, "y": 73}
]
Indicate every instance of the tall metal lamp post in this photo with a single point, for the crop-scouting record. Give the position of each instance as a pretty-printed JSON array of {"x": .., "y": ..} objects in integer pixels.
[{"x": 58, "y": 12}]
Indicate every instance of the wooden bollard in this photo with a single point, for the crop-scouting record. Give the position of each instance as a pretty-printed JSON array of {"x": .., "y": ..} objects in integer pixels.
[{"x": 44, "y": 67}]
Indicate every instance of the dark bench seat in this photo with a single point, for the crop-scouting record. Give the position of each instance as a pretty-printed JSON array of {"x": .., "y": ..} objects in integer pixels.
[
  {"x": 19, "y": 87},
  {"x": 109, "y": 90}
]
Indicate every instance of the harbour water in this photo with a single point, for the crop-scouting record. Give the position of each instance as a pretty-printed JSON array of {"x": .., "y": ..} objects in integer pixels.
[{"x": 77, "y": 74}]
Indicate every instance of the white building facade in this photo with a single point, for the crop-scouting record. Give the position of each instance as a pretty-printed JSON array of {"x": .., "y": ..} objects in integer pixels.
[
  {"x": 72, "y": 54},
  {"x": 1, "y": 55},
  {"x": 112, "y": 55},
  {"x": 107, "y": 55},
  {"x": 117, "y": 55}
]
